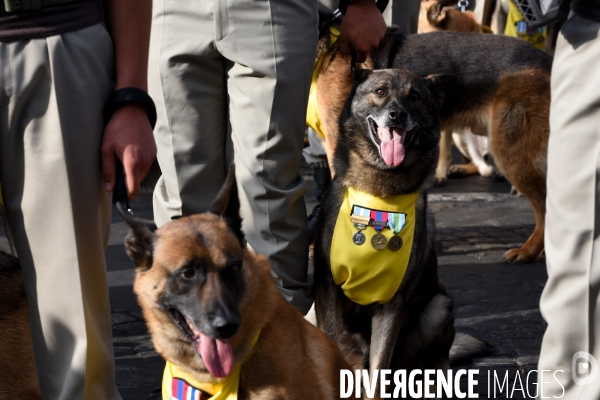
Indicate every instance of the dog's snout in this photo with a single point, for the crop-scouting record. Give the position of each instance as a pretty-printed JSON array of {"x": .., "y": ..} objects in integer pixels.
[
  {"x": 225, "y": 325},
  {"x": 397, "y": 115}
]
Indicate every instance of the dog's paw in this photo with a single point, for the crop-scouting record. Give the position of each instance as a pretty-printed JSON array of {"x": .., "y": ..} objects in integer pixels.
[
  {"x": 461, "y": 170},
  {"x": 519, "y": 256},
  {"x": 441, "y": 175},
  {"x": 515, "y": 192}
]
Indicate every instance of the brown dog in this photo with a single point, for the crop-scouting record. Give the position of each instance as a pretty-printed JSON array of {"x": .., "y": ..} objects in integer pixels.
[
  {"x": 18, "y": 375},
  {"x": 206, "y": 298},
  {"x": 437, "y": 16},
  {"x": 502, "y": 91}
]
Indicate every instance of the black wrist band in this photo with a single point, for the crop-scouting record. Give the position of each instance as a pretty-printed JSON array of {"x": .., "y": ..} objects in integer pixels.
[
  {"x": 381, "y": 5},
  {"x": 130, "y": 95}
]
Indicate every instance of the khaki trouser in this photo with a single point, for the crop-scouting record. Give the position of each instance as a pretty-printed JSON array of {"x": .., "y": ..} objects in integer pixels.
[
  {"x": 52, "y": 91},
  {"x": 232, "y": 77},
  {"x": 570, "y": 302}
]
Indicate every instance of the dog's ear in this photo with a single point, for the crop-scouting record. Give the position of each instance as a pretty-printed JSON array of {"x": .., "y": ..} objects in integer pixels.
[
  {"x": 139, "y": 242},
  {"x": 361, "y": 75},
  {"x": 436, "y": 14},
  {"x": 227, "y": 205},
  {"x": 438, "y": 84}
]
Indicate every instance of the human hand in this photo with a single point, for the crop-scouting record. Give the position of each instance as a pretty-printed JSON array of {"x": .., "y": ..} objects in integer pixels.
[
  {"x": 128, "y": 136},
  {"x": 363, "y": 27}
]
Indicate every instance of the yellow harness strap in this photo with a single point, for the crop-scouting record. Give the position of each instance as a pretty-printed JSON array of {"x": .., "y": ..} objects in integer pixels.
[
  {"x": 312, "y": 113},
  {"x": 179, "y": 385},
  {"x": 368, "y": 275}
]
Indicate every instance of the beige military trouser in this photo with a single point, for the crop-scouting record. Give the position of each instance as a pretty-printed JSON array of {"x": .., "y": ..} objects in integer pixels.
[
  {"x": 570, "y": 302},
  {"x": 232, "y": 77},
  {"x": 52, "y": 92}
]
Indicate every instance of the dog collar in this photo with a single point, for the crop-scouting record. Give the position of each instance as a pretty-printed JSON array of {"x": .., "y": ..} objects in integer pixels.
[
  {"x": 313, "y": 119},
  {"x": 371, "y": 245},
  {"x": 179, "y": 385}
]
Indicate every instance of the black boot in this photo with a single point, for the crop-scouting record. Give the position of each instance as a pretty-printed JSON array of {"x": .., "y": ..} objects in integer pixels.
[{"x": 322, "y": 178}]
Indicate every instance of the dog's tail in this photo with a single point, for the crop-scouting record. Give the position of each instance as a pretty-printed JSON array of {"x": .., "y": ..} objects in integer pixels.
[{"x": 465, "y": 347}]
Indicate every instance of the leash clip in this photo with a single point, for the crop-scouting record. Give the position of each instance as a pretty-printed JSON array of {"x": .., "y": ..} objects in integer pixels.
[{"x": 462, "y": 4}]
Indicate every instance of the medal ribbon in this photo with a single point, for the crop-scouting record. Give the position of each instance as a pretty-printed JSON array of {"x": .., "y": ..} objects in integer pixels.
[
  {"x": 396, "y": 221},
  {"x": 360, "y": 217},
  {"x": 380, "y": 219}
]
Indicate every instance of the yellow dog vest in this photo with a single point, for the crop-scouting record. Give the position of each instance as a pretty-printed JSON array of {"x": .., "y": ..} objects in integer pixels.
[
  {"x": 368, "y": 275},
  {"x": 179, "y": 385},
  {"x": 312, "y": 113}
]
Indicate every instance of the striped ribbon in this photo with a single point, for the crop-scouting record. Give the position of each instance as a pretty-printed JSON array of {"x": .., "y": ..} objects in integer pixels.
[
  {"x": 379, "y": 216},
  {"x": 396, "y": 221},
  {"x": 181, "y": 390},
  {"x": 363, "y": 212}
]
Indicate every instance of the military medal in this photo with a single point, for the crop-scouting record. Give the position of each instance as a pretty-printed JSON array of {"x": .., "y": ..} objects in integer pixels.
[
  {"x": 395, "y": 243},
  {"x": 396, "y": 222},
  {"x": 378, "y": 222},
  {"x": 360, "y": 218},
  {"x": 359, "y": 238},
  {"x": 378, "y": 241}
]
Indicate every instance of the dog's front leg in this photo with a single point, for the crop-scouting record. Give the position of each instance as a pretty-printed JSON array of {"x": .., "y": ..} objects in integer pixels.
[
  {"x": 445, "y": 157},
  {"x": 327, "y": 304},
  {"x": 385, "y": 327}
]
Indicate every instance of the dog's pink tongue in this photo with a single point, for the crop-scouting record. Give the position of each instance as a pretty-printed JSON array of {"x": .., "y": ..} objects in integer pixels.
[
  {"x": 217, "y": 355},
  {"x": 392, "y": 145}
]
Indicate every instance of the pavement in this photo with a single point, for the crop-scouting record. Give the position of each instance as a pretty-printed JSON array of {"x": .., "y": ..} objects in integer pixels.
[{"x": 477, "y": 221}]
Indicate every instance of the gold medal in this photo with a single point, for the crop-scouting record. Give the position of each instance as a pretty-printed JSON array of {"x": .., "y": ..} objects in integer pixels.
[
  {"x": 378, "y": 241},
  {"x": 359, "y": 238},
  {"x": 395, "y": 243}
]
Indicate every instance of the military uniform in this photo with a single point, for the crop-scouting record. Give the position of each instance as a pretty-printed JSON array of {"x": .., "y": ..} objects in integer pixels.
[
  {"x": 570, "y": 302},
  {"x": 230, "y": 80},
  {"x": 54, "y": 80}
]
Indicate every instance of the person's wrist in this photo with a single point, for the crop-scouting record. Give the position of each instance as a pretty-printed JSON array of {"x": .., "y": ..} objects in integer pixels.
[{"x": 128, "y": 96}]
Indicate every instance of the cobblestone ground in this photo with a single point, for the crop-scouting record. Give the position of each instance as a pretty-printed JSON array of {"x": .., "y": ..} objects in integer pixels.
[{"x": 477, "y": 221}]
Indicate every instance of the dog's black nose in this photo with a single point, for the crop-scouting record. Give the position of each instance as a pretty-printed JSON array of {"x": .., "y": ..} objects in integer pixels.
[
  {"x": 226, "y": 326},
  {"x": 396, "y": 115}
]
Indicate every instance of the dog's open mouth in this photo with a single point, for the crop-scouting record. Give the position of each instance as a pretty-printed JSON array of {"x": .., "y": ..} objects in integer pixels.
[
  {"x": 216, "y": 354},
  {"x": 390, "y": 141}
]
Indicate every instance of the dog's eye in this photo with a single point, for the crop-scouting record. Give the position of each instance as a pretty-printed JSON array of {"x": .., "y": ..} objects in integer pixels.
[
  {"x": 380, "y": 91},
  {"x": 233, "y": 269},
  {"x": 414, "y": 96},
  {"x": 188, "y": 273}
]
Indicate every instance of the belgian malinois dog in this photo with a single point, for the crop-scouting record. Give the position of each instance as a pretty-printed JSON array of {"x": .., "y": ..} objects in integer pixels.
[
  {"x": 206, "y": 299},
  {"x": 388, "y": 148},
  {"x": 18, "y": 375},
  {"x": 502, "y": 91}
]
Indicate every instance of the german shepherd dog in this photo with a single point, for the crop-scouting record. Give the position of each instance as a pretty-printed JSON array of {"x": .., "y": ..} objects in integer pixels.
[
  {"x": 18, "y": 374},
  {"x": 389, "y": 135},
  {"x": 205, "y": 297},
  {"x": 502, "y": 91}
]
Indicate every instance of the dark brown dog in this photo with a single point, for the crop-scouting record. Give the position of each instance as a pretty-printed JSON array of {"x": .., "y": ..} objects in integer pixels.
[
  {"x": 389, "y": 135},
  {"x": 199, "y": 287},
  {"x": 502, "y": 91},
  {"x": 18, "y": 375}
]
